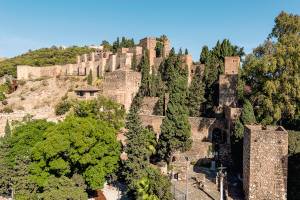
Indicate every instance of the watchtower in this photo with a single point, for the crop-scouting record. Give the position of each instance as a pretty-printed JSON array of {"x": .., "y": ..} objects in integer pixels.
[{"x": 265, "y": 162}]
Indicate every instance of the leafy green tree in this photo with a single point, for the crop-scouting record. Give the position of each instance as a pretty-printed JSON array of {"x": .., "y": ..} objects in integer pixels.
[
  {"x": 272, "y": 72},
  {"x": 62, "y": 188},
  {"x": 116, "y": 45},
  {"x": 102, "y": 109},
  {"x": 77, "y": 145},
  {"x": 107, "y": 46},
  {"x": 196, "y": 93},
  {"x": 175, "y": 128},
  {"x": 63, "y": 107},
  {"x": 15, "y": 158}
]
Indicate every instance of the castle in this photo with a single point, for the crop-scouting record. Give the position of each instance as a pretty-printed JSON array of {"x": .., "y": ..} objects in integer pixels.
[{"x": 265, "y": 150}]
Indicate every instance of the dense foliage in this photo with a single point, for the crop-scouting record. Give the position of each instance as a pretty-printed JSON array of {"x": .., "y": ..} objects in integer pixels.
[
  {"x": 42, "y": 57},
  {"x": 195, "y": 98},
  {"x": 175, "y": 128},
  {"x": 143, "y": 180},
  {"x": 76, "y": 146},
  {"x": 44, "y": 160},
  {"x": 273, "y": 72},
  {"x": 214, "y": 66}
]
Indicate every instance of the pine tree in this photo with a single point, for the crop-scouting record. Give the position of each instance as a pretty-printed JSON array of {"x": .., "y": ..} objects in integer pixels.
[
  {"x": 175, "y": 128},
  {"x": 90, "y": 78},
  {"x": 196, "y": 94}
]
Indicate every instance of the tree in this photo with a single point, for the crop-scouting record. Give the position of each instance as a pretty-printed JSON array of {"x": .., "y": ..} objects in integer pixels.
[
  {"x": 204, "y": 54},
  {"x": 186, "y": 52},
  {"x": 90, "y": 78},
  {"x": 159, "y": 108},
  {"x": 272, "y": 72},
  {"x": 214, "y": 66},
  {"x": 62, "y": 188},
  {"x": 195, "y": 96},
  {"x": 247, "y": 115},
  {"x": 77, "y": 145},
  {"x": 145, "y": 70},
  {"x": 15, "y": 157},
  {"x": 106, "y": 45},
  {"x": 175, "y": 128}
]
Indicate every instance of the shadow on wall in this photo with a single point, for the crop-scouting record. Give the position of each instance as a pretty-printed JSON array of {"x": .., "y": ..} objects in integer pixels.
[{"x": 293, "y": 177}]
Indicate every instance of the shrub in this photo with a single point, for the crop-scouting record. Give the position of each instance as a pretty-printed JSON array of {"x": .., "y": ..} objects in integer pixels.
[
  {"x": 2, "y": 96},
  {"x": 4, "y": 102},
  {"x": 7, "y": 109},
  {"x": 62, "y": 107},
  {"x": 21, "y": 82}
]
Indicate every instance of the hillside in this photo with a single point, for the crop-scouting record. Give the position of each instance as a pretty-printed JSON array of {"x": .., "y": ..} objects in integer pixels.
[
  {"x": 42, "y": 57},
  {"x": 37, "y": 98}
]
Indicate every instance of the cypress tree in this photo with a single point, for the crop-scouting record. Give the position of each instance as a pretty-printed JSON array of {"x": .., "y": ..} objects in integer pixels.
[
  {"x": 180, "y": 52},
  {"x": 186, "y": 52},
  {"x": 90, "y": 78},
  {"x": 196, "y": 94},
  {"x": 204, "y": 55},
  {"x": 145, "y": 70},
  {"x": 247, "y": 115},
  {"x": 175, "y": 128}
]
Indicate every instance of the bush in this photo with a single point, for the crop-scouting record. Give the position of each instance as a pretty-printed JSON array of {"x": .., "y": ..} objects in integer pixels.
[
  {"x": 62, "y": 107},
  {"x": 4, "y": 102},
  {"x": 2, "y": 96},
  {"x": 21, "y": 82},
  {"x": 7, "y": 109}
]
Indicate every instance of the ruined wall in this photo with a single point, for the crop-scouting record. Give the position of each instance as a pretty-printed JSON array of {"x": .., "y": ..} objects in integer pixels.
[
  {"x": 228, "y": 82},
  {"x": 265, "y": 162},
  {"x": 121, "y": 86},
  {"x": 148, "y": 105},
  {"x": 150, "y": 44},
  {"x": 232, "y": 65}
]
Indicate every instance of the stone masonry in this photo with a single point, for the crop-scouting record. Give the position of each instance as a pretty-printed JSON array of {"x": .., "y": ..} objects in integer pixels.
[
  {"x": 228, "y": 82},
  {"x": 265, "y": 162}
]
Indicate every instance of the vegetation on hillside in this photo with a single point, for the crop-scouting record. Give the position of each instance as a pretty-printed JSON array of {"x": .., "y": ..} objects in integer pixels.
[
  {"x": 42, "y": 57},
  {"x": 44, "y": 160}
]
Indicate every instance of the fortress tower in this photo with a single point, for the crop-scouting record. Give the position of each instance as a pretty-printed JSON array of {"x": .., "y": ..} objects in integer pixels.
[
  {"x": 228, "y": 82},
  {"x": 265, "y": 162}
]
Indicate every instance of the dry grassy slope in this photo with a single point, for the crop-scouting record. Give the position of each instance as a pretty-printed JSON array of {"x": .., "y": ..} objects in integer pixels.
[{"x": 37, "y": 98}]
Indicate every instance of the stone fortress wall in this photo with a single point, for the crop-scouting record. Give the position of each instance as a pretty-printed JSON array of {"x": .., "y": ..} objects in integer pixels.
[
  {"x": 265, "y": 162},
  {"x": 121, "y": 84}
]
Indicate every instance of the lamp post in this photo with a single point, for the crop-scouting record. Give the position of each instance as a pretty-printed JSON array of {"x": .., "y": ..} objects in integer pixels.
[
  {"x": 221, "y": 175},
  {"x": 187, "y": 177}
]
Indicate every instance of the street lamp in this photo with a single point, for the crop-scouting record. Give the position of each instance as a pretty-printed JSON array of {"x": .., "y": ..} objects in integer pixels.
[{"x": 187, "y": 177}]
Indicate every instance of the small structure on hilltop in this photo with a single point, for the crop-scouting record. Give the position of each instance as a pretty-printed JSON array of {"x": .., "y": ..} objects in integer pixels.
[
  {"x": 87, "y": 92},
  {"x": 265, "y": 162}
]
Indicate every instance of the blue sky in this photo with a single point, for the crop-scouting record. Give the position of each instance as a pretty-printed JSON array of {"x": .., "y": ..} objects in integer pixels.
[{"x": 31, "y": 24}]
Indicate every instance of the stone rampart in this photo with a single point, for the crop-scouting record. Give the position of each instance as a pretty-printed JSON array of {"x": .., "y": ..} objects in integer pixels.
[{"x": 265, "y": 162}]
